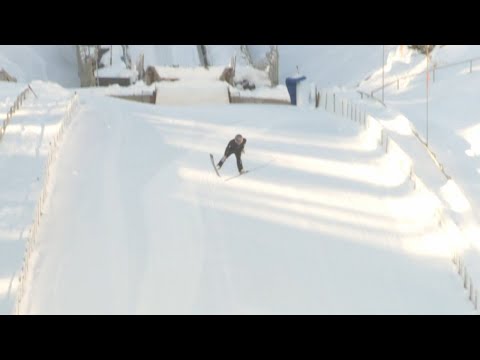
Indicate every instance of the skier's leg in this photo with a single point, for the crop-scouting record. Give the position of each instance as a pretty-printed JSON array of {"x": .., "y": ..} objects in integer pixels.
[
  {"x": 222, "y": 160},
  {"x": 239, "y": 161}
]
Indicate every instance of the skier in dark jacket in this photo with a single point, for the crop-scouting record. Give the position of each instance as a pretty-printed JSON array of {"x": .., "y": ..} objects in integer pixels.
[{"x": 235, "y": 146}]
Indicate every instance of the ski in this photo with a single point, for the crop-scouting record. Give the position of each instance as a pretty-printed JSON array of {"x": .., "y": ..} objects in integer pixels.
[{"x": 214, "y": 166}]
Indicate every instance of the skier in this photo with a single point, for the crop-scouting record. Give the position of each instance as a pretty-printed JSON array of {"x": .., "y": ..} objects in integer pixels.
[{"x": 235, "y": 146}]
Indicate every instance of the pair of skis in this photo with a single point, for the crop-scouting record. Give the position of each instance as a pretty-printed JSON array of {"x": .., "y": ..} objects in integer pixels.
[{"x": 216, "y": 170}]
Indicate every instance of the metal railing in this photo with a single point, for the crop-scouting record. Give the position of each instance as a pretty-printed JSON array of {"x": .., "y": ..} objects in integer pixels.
[
  {"x": 33, "y": 232},
  {"x": 16, "y": 106},
  {"x": 346, "y": 108},
  {"x": 432, "y": 70}
]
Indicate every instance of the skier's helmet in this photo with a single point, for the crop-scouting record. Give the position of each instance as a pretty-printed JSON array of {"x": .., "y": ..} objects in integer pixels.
[{"x": 239, "y": 139}]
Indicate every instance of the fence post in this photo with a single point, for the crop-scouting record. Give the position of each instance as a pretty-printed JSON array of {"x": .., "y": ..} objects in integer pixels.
[
  {"x": 33, "y": 92},
  {"x": 32, "y": 237},
  {"x": 470, "y": 297},
  {"x": 326, "y": 98}
]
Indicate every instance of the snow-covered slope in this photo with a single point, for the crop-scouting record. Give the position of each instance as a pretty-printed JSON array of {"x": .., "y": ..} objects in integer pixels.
[
  {"x": 452, "y": 129},
  {"x": 138, "y": 222},
  {"x": 56, "y": 63},
  {"x": 23, "y": 155},
  {"x": 330, "y": 65},
  {"x": 325, "y": 223}
]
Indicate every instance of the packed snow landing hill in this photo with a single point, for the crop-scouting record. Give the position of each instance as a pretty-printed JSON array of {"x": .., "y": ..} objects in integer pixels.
[{"x": 137, "y": 221}]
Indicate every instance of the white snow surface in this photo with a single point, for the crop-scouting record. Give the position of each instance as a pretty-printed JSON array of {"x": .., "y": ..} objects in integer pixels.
[
  {"x": 138, "y": 222},
  {"x": 324, "y": 223}
]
